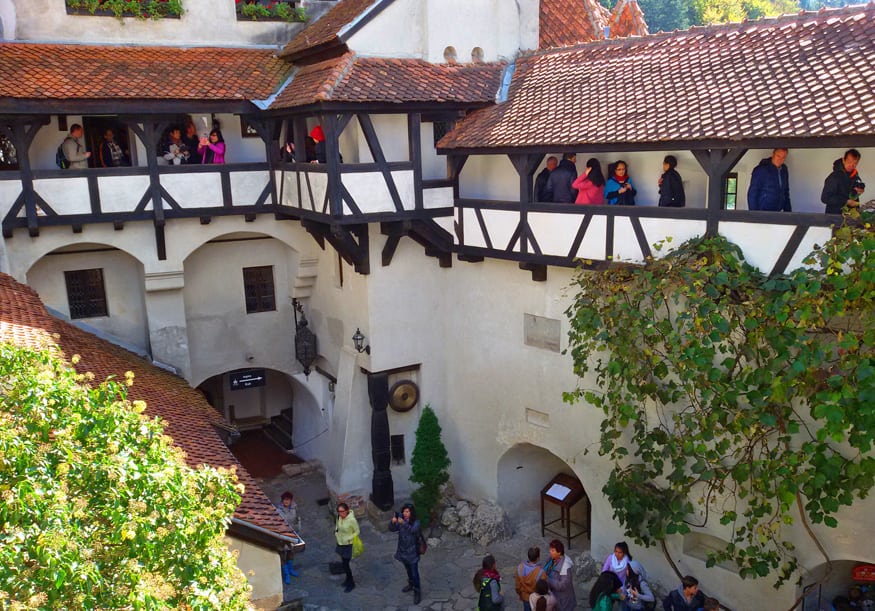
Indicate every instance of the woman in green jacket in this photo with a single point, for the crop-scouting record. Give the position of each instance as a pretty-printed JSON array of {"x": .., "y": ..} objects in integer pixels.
[
  {"x": 605, "y": 591},
  {"x": 346, "y": 530}
]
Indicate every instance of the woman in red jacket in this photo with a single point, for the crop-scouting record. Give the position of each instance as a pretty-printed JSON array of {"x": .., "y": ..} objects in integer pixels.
[{"x": 590, "y": 184}]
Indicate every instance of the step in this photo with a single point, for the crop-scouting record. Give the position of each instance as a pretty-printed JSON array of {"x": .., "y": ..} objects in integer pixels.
[{"x": 278, "y": 437}]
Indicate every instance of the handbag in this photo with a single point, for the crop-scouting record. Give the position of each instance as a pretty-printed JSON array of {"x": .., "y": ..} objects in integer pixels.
[
  {"x": 423, "y": 545},
  {"x": 358, "y": 547}
]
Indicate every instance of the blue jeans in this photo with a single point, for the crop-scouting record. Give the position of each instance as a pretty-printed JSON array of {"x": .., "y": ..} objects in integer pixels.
[
  {"x": 413, "y": 574},
  {"x": 527, "y": 606}
]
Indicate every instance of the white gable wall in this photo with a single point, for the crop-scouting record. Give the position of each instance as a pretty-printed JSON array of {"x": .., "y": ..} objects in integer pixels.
[{"x": 425, "y": 28}]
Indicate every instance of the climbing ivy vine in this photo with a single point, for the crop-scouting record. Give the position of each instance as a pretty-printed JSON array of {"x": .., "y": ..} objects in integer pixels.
[{"x": 732, "y": 400}]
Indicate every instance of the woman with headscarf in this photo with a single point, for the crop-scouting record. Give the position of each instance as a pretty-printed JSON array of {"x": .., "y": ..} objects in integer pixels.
[{"x": 637, "y": 590}]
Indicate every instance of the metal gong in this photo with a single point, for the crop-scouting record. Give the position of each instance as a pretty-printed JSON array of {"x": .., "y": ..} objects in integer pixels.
[{"x": 403, "y": 395}]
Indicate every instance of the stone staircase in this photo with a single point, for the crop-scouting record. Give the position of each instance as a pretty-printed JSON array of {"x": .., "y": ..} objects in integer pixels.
[{"x": 279, "y": 430}]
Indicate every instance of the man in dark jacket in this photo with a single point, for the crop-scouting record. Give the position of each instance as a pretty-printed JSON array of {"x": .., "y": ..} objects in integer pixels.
[
  {"x": 540, "y": 193},
  {"x": 843, "y": 187},
  {"x": 770, "y": 184},
  {"x": 686, "y": 598},
  {"x": 559, "y": 183}
]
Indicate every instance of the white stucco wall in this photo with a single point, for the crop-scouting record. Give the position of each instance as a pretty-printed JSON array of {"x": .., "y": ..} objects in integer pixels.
[
  {"x": 430, "y": 26},
  {"x": 204, "y": 22},
  {"x": 262, "y": 570},
  {"x": 7, "y": 20},
  {"x": 122, "y": 281}
]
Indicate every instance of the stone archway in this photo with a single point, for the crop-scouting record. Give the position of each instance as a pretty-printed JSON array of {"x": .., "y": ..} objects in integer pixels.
[{"x": 523, "y": 471}]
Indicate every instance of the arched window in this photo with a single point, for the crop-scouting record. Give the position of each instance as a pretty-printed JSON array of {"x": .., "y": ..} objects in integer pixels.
[
  {"x": 477, "y": 55},
  {"x": 450, "y": 55}
]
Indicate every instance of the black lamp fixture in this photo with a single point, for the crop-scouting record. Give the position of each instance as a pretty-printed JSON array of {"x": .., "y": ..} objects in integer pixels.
[
  {"x": 358, "y": 340},
  {"x": 305, "y": 339}
]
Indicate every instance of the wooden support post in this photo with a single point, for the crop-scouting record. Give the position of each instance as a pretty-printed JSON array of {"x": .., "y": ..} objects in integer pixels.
[
  {"x": 525, "y": 166},
  {"x": 414, "y": 143},
  {"x": 717, "y": 163},
  {"x": 332, "y": 156},
  {"x": 149, "y": 134},
  {"x": 22, "y": 133}
]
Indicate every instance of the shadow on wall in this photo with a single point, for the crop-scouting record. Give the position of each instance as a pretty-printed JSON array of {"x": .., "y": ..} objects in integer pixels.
[{"x": 523, "y": 471}]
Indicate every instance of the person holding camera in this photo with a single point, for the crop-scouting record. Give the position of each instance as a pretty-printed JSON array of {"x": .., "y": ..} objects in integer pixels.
[
  {"x": 409, "y": 539},
  {"x": 843, "y": 187}
]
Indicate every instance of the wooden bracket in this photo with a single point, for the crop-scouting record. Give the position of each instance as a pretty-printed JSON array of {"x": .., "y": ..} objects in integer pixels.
[
  {"x": 350, "y": 242},
  {"x": 436, "y": 241}
]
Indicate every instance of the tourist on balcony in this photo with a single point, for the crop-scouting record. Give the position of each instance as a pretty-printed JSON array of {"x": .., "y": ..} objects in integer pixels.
[
  {"x": 319, "y": 153},
  {"x": 619, "y": 188},
  {"x": 671, "y": 186},
  {"x": 560, "y": 575},
  {"x": 540, "y": 193},
  {"x": 559, "y": 182},
  {"x": 111, "y": 154},
  {"x": 591, "y": 184},
  {"x": 843, "y": 187},
  {"x": 770, "y": 184},
  {"x": 407, "y": 553},
  {"x": 74, "y": 148},
  {"x": 212, "y": 149},
  {"x": 191, "y": 141},
  {"x": 175, "y": 151}
]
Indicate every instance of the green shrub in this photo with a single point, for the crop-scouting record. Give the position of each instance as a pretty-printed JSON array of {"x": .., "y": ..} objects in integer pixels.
[{"x": 429, "y": 465}]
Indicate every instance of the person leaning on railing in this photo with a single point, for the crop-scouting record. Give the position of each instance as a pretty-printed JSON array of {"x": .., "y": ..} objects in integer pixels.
[{"x": 843, "y": 187}]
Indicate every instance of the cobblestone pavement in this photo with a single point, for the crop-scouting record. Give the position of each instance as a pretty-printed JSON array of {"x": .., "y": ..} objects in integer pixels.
[{"x": 446, "y": 569}]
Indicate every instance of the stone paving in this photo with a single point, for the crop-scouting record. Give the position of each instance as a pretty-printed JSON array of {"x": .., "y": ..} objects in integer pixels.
[{"x": 446, "y": 569}]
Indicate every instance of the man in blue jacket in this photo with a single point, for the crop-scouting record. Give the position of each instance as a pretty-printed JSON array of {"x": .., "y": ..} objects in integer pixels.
[
  {"x": 686, "y": 598},
  {"x": 770, "y": 184}
]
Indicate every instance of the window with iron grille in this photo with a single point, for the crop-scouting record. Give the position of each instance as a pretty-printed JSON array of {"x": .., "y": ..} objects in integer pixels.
[
  {"x": 258, "y": 289},
  {"x": 85, "y": 293},
  {"x": 441, "y": 129},
  {"x": 396, "y": 444}
]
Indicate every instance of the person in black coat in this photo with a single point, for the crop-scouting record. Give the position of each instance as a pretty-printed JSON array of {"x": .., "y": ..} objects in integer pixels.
[
  {"x": 671, "y": 186},
  {"x": 843, "y": 187},
  {"x": 540, "y": 191},
  {"x": 770, "y": 184},
  {"x": 559, "y": 188},
  {"x": 409, "y": 538}
]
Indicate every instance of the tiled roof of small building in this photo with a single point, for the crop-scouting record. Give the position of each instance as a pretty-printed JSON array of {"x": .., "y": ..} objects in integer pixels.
[
  {"x": 36, "y": 70},
  {"x": 568, "y": 22},
  {"x": 327, "y": 28},
  {"x": 25, "y": 322},
  {"x": 352, "y": 79},
  {"x": 806, "y": 75},
  {"x": 627, "y": 19}
]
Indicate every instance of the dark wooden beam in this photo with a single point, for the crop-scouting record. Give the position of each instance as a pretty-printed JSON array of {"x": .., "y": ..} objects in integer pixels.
[
  {"x": 376, "y": 149},
  {"x": 717, "y": 163},
  {"x": 350, "y": 241},
  {"x": 539, "y": 271},
  {"x": 22, "y": 133},
  {"x": 414, "y": 146},
  {"x": 332, "y": 153}
]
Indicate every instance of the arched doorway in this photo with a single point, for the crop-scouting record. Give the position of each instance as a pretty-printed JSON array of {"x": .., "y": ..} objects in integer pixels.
[
  {"x": 523, "y": 471},
  {"x": 821, "y": 586}
]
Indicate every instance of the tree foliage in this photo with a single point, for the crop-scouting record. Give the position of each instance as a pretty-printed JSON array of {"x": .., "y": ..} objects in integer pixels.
[
  {"x": 732, "y": 400},
  {"x": 429, "y": 466},
  {"x": 99, "y": 510}
]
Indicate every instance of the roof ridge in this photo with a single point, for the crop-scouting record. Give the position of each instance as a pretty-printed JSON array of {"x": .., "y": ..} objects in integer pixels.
[
  {"x": 709, "y": 28},
  {"x": 333, "y": 81}
]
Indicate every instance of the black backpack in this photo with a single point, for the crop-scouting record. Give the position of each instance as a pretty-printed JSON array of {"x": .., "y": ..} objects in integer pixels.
[
  {"x": 485, "y": 602},
  {"x": 60, "y": 158}
]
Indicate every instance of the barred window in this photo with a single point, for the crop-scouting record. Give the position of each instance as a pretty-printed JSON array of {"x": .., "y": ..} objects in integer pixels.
[
  {"x": 258, "y": 289},
  {"x": 86, "y": 295},
  {"x": 396, "y": 446}
]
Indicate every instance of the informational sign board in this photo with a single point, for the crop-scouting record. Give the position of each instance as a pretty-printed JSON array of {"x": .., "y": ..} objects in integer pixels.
[{"x": 248, "y": 379}]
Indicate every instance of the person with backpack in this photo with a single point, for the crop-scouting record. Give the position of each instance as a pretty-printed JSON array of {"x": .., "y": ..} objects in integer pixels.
[
  {"x": 409, "y": 539},
  {"x": 487, "y": 582},
  {"x": 72, "y": 153}
]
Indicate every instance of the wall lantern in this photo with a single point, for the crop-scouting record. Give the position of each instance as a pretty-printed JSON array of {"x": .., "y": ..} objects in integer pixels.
[
  {"x": 358, "y": 340},
  {"x": 305, "y": 339}
]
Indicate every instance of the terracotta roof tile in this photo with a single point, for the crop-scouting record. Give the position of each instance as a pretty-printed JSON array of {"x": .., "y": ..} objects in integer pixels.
[
  {"x": 567, "y": 22},
  {"x": 351, "y": 79},
  {"x": 773, "y": 78},
  {"x": 627, "y": 19},
  {"x": 35, "y": 70},
  {"x": 325, "y": 30},
  {"x": 24, "y": 321}
]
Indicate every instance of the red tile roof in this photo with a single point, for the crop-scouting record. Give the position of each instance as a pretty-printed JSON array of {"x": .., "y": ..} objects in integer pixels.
[
  {"x": 325, "y": 30},
  {"x": 35, "y": 70},
  {"x": 351, "y": 79},
  {"x": 627, "y": 19},
  {"x": 568, "y": 22},
  {"x": 803, "y": 76},
  {"x": 24, "y": 321}
]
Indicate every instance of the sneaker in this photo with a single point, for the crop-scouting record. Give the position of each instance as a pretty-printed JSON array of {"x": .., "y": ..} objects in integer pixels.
[
  {"x": 349, "y": 587},
  {"x": 408, "y": 587}
]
